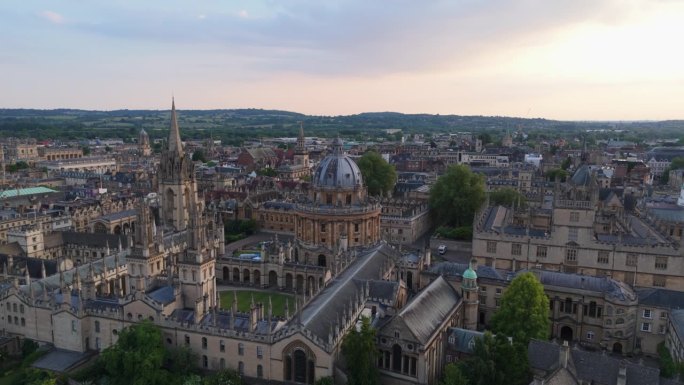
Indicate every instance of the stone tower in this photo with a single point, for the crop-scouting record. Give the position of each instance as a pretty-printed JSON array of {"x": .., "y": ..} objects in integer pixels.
[
  {"x": 470, "y": 298},
  {"x": 177, "y": 187},
  {"x": 144, "y": 144},
  {"x": 301, "y": 156}
]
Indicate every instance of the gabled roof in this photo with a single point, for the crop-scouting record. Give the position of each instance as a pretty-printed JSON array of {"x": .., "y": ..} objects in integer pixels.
[{"x": 429, "y": 309}]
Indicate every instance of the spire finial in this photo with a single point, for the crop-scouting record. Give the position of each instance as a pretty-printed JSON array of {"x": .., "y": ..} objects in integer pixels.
[{"x": 174, "y": 143}]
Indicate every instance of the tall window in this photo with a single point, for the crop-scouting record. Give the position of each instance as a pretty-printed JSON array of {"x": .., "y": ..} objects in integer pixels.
[
  {"x": 260, "y": 371},
  {"x": 204, "y": 342},
  {"x": 574, "y": 216},
  {"x": 222, "y": 346},
  {"x": 241, "y": 349},
  {"x": 491, "y": 247},
  {"x": 631, "y": 260},
  {"x": 659, "y": 280},
  {"x": 541, "y": 251},
  {"x": 516, "y": 249},
  {"x": 260, "y": 352},
  {"x": 571, "y": 254},
  {"x": 603, "y": 257},
  {"x": 97, "y": 326},
  {"x": 573, "y": 234},
  {"x": 661, "y": 263}
]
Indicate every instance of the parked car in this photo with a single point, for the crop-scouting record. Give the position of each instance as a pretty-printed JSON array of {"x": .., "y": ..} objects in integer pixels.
[{"x": 442, "y": 249}]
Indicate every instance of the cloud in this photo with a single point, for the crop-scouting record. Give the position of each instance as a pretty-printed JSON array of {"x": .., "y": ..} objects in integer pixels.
[{"x": 52, "y": 17}]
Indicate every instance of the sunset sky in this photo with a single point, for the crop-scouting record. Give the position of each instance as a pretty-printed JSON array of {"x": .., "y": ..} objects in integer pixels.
[{"x": 571, "y": 60}]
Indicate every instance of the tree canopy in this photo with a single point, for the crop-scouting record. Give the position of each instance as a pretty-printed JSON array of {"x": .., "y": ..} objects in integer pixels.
[
  {"x": 556, "y": 172},
  {"x": 137, "y": 357},
  {"x": 453, "y": 375},
  {"x": 198, "y": 155},
  {"x": 456, "y": 196},
  {"x": 524, "y": 311},
  {"x": 378, "y": 175},
  {"x": 495, "y": 361},
  {"x": 361, "y": 354},
  {"x": 507, "y": 197}
]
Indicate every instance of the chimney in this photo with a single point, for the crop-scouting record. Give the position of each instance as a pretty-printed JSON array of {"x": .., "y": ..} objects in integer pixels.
[
  {"x": 564, "y": 355},
  {"x": 622, "y": 374}
]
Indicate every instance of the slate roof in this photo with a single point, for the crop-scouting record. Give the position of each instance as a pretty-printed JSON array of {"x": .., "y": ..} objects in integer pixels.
[
  {"x": 451, "y": 269},
  {"x": 119, "y": 215},
  {"x": 581, "y": 177},
  {"x": 661, "y": 297},
  {"x": 589, "y": 367},
  {"x": 427, "y": 310},
  {"x": 543, "y": 355},
  {"x": 163, "y": 294},
  {"x": 383, "y": 290},
  {"x": 464, "y": 339},
  {"x": 59, "y": 360},
  {"x": 606, "y": 285},
  {"x": 677, "y": 318},
  {"x": 324, "y": 309}
]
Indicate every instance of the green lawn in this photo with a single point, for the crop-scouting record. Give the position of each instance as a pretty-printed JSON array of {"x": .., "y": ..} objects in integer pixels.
[{"x": 245, "y": 299}]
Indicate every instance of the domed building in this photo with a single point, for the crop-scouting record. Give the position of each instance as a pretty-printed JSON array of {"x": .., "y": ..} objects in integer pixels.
[{"x": 337, "y": 213}]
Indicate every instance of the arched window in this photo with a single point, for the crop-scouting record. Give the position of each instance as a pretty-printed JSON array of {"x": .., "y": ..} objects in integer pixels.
[
  {"x": 205, "y": 362},
  {"x": 260, "y": 371},
  {"x": 222, "y": 363},
  {"x": 396, "y": 358},
  {"x": 241, "y": 368},
  {"x": 204, "y": 342}
]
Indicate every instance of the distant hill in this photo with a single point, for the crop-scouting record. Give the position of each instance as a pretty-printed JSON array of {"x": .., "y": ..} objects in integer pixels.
[{"x": 236, "y": 125}]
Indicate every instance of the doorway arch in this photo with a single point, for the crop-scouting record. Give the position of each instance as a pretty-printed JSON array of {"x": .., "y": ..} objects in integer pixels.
[
  {"x": 566, "y": 333},
  {"x": 617, "y": 348}
]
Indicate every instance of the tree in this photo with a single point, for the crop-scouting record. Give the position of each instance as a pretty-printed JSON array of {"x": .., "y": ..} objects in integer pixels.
[
  {"x": 557, "y": 173},
  {"x": 456, "y": 196},
  {"x": 507, "y": 197},
  {"x": 137, "y": 357},
  {"x": 496, "y": 361},
  {"x": 676, "y": 164},
  {"x": 379, "y": 176},
  {"x": 198, "y": 156},
  {"x": 86, "y": 150},
  {"x": 361, "y": 354},
  {"x": 267, "y": 171},
  {"x": 224, "y": 377},
  {"x": 524, "y": 311},
  {"x": 453, "y": 376}
]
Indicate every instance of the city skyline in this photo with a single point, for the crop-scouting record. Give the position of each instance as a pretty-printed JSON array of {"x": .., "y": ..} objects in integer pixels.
[{"x": 574, "y": 60}]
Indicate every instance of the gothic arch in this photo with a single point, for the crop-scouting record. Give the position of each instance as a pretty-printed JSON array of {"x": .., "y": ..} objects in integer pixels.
[{"x": 300, "y": 363}]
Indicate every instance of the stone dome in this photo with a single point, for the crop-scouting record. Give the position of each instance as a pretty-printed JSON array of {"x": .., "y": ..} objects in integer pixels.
[{"x": 337, "y": 170}]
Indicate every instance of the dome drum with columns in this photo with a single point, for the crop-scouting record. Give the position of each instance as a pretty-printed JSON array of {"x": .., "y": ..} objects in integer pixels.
[{"x": 338, "y": 211}]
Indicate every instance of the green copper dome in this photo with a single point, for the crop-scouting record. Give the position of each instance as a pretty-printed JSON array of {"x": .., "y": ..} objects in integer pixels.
[{"x": 469, "y": 273}]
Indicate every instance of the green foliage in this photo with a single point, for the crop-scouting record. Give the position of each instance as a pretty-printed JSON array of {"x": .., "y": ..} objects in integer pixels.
[
  {"x": 181, "y": 360},
  {"x": 496, "y": 361},
  {"x": 238, "y": 229},
  {"x": 244, "y": 297},
  {"x": 557, "y": 172},
  {"x": 361, "y": 355},
  {"x": 267, "y": 172},
  {"x": 86, "y": 150},
  {"x": 198, "y": 156},
  {"x": 566, "y": 164},
  {"x": 21, "y": 165},
  {"x": 463, "y": 233},
  {"x": 668, "y": 368},
  {"x": 485, "y": 137},
  {"x": 137, "y": 357},
  {"x": 453, "y": 375},
  {"x": 524, "y": 311},
  {"x": 676, "y": 164},
  {"x": 325, "y": 381},
  {"x": 378, "y": 175},
  {"x": 28, "y": 346},
  {"x": 108, "y": 149},
  {"x": 224, "y": 377},
  {"x": 507, "y": 197},
  {"x": 456, "y": 196}
]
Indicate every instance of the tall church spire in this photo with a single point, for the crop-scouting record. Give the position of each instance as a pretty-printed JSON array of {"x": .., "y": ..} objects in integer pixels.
[{"x": 174, "y": 144}]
